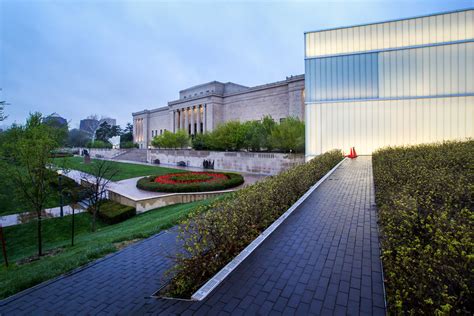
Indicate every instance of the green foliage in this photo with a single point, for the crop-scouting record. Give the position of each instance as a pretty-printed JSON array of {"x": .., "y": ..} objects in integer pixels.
[
  {"x": 168, "y": 139},
  {"x": 425, "y": 199},
  {"x": 149, "y": 184},
  {"x": 2, "y": 109},
  {"x": 106, "y": 131},
  {"x": 127, "y": 144},
  {"x": 124, "y": 170},
  {"x": 99, "y": 144},
  {"x": 215, "y": 234},
  {"x": 254, "y": 136},
  {"x": 289, "y": 135},
  {"x": 88, "y": 246},
  {"x": 112, "y": 212},
  {"x": 30, "y": 148},
  {"x": 127, "y": 135},
  {"x": 77, "y": 138}
]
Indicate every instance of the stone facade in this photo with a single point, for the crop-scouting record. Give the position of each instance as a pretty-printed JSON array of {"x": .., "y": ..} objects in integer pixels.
[
  {"x": 260, "y": 163},
  {"x": 201, "y": 108}
]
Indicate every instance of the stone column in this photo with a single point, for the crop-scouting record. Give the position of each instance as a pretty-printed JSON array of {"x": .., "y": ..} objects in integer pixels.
[
  {"x": 192, "y": 120},
  {"x": 186, "y": 120},
  {"x": 198, "y": 119},
  {"x": 204, "y": 114},
  {"x": 176, "y": 121}
]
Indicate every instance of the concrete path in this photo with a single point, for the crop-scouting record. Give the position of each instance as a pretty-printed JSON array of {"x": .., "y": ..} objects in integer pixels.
[
  {"x": 128, "y": 187},
  {"x": 324, "y": 259}
]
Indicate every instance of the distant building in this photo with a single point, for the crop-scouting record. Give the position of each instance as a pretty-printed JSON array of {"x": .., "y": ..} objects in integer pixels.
[
  {"x": 89, "y": 125},
  {"x": 55, "y": 119},
  {"x": 110, "y": 121},
  {"x": 201, "y": 108}
]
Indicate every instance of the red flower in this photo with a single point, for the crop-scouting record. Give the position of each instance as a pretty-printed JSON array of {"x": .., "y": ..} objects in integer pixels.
[{"x": 190, "y": 177}]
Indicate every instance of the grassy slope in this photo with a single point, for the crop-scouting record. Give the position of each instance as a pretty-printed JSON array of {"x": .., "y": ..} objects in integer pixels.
[
  {"x": 125, "y": 170},
  {"x": 11, "y": 201},
  {"x": 21, "y": 242}
]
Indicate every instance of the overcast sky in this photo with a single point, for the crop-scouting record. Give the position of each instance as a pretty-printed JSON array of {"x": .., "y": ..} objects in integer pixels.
[{"x": 113, "y": 58}]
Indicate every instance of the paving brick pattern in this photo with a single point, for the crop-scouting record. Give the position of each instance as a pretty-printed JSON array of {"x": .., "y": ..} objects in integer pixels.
[{"x": 324, "y": 260}]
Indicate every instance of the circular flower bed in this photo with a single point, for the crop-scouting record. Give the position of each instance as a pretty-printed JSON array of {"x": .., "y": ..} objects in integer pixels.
[{"x": 190, "y": 182}]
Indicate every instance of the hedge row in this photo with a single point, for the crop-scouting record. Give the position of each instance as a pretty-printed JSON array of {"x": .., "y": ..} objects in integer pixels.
[
  {"x": 215, "y": 234},
  {"x": 425, "y": 200},
  {"x": 112, "y": 212},
  {"x": 149, "y": 184}
]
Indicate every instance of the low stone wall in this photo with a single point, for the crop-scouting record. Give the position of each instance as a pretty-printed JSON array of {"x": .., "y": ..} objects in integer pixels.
[
  {"x": 145, "y": 205},
  {"x": 262, "y": 163},
  {"x": 105, "y": 153}
]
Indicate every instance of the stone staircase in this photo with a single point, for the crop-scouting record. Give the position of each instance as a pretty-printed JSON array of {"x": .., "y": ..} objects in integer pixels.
[{"x": 138, "y": 155}]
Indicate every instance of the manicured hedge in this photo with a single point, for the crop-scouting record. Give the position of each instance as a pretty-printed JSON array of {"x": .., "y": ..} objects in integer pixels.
[
  {"x": 215, "y": 234},
  {"x": 425, "y": 200},
  {"x": 149, "y": 184},
  {"x": 112, "y": 212}
]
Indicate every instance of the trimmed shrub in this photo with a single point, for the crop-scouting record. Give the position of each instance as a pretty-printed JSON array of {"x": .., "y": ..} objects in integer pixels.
[
  {"x": 425, "y": 201},
  {"x": 215, "y": 234},
  {"x": 111, "y": 212},
  {"x": 128, "y": 144},
  {"x": 99, "y": 144},
  {"x": 150, "y": 184}
]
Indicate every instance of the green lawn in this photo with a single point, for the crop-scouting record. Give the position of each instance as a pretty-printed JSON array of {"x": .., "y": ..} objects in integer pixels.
[
  {"x": 124, "y": 170},
  {"x": 11, "y": 201},
  {"x": 21, "y": 243}
]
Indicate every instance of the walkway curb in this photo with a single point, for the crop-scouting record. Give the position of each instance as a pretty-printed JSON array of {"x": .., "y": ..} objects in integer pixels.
[{"x": 220, "y": 276}]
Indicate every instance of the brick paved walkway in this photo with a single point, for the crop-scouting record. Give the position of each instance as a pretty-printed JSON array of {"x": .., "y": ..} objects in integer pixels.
[{"x": 323, "y": 260}]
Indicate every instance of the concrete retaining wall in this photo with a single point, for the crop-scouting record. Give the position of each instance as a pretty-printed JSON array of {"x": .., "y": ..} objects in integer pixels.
[
  {"x": 163, "y": 200},
  {"x": 262, "y": 163}
]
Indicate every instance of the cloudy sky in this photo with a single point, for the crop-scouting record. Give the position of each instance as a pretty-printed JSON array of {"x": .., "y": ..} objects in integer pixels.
[{"x": 113, "y": 58}]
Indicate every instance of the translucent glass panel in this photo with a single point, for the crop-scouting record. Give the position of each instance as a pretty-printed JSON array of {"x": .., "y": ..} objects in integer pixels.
[
  {"x": 428, "y": 71},
  {"x": 369, "y": 125},
  {"x": 419, "y": 31},
  {"x": 342, "y": 78}
]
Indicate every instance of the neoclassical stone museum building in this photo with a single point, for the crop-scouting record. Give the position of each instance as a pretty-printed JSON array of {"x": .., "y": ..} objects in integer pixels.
[{"x": 201, "y": 108}]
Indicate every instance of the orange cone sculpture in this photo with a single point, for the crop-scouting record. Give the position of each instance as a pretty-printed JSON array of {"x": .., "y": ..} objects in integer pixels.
[{"x": 352, "y": 153}]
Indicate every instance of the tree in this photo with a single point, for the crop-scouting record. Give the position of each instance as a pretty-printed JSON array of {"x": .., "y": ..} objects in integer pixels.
[
  {"x": 30, "y": 147},
  {"x": 103, "y": 132},
  {"x": 77, "y": 138},
  {"x": 168, "y": 139},
  {"x": 96, "y": 184},
  {"x": 289, "y": 135},
  {"x": 106, "y": 131},
  {"x": 127, "y": 134},
  {"x": 228, "y": 136},
  {"x": 2, "y": 109},
  {"x": 255, "y": 135},
  {"x": 268, "y": 125}
]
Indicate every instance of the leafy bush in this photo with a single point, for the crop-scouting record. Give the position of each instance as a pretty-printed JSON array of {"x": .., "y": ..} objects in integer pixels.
[
  {"x": 149, "y": 184},
  {"x": 424, "y": 196},
  {"x": 180, "y": 139},
  {"x": 254, "y": 136},
  {"x": 112, "y": 212},
  {"x": 60, "y": 155},
  {"x": 99, "y": 144},
  {"x": 289, "y": 135},
  {"x": 128, "y": 144},
  {"x": 214, "y": 235}
]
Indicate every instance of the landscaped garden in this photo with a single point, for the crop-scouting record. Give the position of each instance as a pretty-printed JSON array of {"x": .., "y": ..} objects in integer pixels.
[
  {"x": 425, "y": 200},
  {"x": 216, "y": 233},
  {"x": 191, "y": 182},
  {"x": 123, "y": 170},
  {"x": 24, "y": 271}
]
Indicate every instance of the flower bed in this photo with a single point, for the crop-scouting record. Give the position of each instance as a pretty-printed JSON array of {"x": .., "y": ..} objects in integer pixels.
[{"x": 191, "y": 182}]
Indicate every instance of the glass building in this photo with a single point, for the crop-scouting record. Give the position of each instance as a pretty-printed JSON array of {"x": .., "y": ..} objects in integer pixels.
[{"x": 392, "y": 83}]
